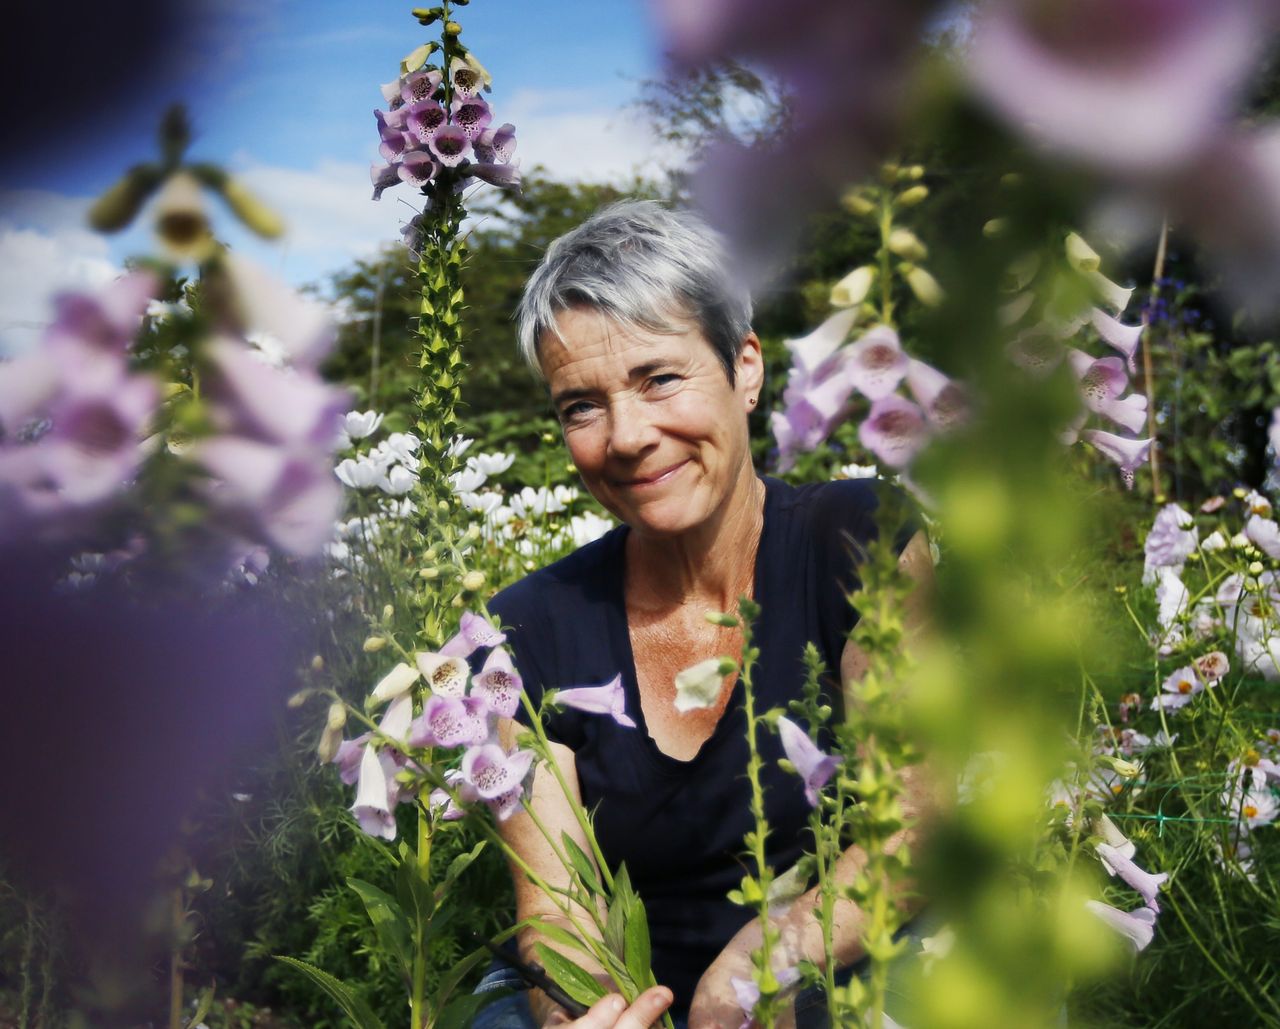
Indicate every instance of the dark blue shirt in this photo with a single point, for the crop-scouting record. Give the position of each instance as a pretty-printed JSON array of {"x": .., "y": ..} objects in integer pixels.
[{"x": 679, "y": 825}]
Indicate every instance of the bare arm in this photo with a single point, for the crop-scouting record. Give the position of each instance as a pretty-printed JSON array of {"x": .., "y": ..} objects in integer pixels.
[{"x": 714, "y": 1003}]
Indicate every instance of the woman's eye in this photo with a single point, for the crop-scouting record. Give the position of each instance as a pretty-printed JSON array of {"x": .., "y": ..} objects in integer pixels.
[
  {"x": 572, "y": 412},
  {"x": 665, "y": 379}
]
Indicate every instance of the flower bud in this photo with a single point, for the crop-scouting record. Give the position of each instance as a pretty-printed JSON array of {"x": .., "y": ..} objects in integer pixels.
[
  {"x": 1081, "y": 256},
  {"x": 317, "y": 663},
  {"x": 388, "y": 612},
  {"x": 120, "y": 204},
  {"x": 548, "y": 437},
  {"x": 452, "y": 28},
  {"x": 721, "y": 618},
  {"x": 327, "y": 748},
  {"x": 426, "y": 15},
  {"x": 1255, "y": 568},
  {"x": 299, "y": 698},
  {"x": 429, "y": 573},
  {"x": 890, "y": 171},
  {"x": 181, "y": 226},
  {"x": 906, "y": 243},
  {"x": 473, "y": 532},
  {"x": 995, "y": 227},
  {"x": 853, "y": 288},
  {"x": 786, "y": 765},
  {"x": 416, "y": 58},
  {"x": 727, "y": 666},
  {"x": 373, "y": 644},
  {"x": 252, "y": 212},
  {"x": 431, "y": 554},
  {"x": 473, "y": 581},
  {"x": 443, "y": 507},
  {"x": 337, "y": 716},
  {"x": 914, "y": 172},
  {"x": 911, "y": 196},
  {"x": 856, "y": 202},
  {"x": 1238, "y": 493},
  {"x": 1120, "y": 766},
  {"x": 924, "y": 286}
]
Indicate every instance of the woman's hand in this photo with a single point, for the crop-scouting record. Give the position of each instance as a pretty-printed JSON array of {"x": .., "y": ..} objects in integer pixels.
[{"x": 611, "y": 1012}]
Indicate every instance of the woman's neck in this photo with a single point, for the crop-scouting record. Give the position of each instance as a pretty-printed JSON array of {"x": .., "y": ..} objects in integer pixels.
[{"x": 712, "y": 565}]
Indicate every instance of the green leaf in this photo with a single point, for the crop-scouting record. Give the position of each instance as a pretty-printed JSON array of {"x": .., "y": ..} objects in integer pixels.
[
  {"x": 460, "y": 1012},
  {"x": 575, "y": 981},
  {"x": 460, "y": 864},
  {"x": 415, "y": 896},
  {"x": 356, "y": 1009},
  {"x": 202, "y": 1008},
  {"x": 582, "y": 864},
  {"x": 449, "y": 981},
  {"x": 637, "y": 946},
  {"x": 389, "y": 922},
  {"x": 615, "y": 925},
  {"x": 558, "y": 934}
]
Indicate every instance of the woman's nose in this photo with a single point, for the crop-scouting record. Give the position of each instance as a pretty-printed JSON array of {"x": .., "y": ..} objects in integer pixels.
[{"x": 631, "y": 429}]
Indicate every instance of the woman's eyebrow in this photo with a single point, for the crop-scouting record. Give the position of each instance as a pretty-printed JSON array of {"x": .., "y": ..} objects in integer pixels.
[{"x": 639, "y": 371}]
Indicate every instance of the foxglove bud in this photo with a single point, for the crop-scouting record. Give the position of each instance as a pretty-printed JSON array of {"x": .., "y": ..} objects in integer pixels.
[
  {"x": 119, "y": 205},
  {"x": 388, "y": 612},
  {"x": 857, "y": 203},
  {"x": 1081, "y": 256},
  {"x": 911, "y": 196},
  {"x": 473, "y": 581},
  {"x": 256, "y": 216},
  {"x": 374, "y": 643},
  {"x": 722, "y": 619},
  {"x": 853, "y": 288},
  {"x": 906, "y": 243},
  {"x": 924, "y": 286}
]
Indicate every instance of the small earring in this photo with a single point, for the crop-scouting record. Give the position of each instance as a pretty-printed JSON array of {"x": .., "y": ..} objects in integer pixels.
[{"x": 751, "y": 401}]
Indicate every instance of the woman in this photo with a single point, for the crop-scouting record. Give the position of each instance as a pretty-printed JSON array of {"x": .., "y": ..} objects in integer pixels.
[{"x": 647, "y": 349}]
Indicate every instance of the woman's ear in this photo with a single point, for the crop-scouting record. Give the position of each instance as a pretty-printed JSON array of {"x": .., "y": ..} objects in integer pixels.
[{"x": 750, "y": 367}]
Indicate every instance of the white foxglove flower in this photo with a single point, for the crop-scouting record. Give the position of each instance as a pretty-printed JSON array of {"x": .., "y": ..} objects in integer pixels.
[
  {"x": 395, "y": 683},
  {"x": 699, "y": 685}
]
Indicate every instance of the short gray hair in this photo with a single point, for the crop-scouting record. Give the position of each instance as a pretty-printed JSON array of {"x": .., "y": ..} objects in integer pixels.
[{"x": 644, "y": 265}]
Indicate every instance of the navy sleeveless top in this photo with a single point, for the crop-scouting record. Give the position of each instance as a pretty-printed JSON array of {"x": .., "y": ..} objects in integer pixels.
[{"x": 679, "y": 825}]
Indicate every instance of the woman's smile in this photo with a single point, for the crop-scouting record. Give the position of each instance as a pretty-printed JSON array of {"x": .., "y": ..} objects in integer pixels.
[{"x": 659, "y": 477}]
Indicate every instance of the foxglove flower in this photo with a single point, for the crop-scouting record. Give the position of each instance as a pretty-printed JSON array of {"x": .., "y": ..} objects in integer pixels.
[
  {"x": 417, "y": 168},
  {"x": 383, "y": 176},
  {"x": 450, "y": 722},
  {"x": 348, "y": 758},
  {"x": 895, "y": 430},
  {"x": 810, "y": 354},
  {"x": 499, "y": 684},
  {"x": 944, "y": 401},
  {"x": 445, "y": 674},
  {"x": 1119, "y": 863},
  {"x": 1117, "y": 335},
  {"x": 875, "y": 364},
  {"x": 493, "y": 772},
  {"x": 450, "y": 144},
  {"x": 396, "y": 683},
  {"x": 1138, "y": 927},
  {"x": 1128, "y": 454},
  {"x": 1102, "y": 381},
  {"x": 424, "y": 118},
  {"x": 420, "y": 87},
  {"x": 699, "y": 686},
  {"x": 609, "y": 699},
  {"x": 471, "y": 114},
  {"x": 474, "y": 632},
  {"x": 373, "y": 808},
  {"x": 813, "y": 766},
  {"x": 496, "y": 146}
]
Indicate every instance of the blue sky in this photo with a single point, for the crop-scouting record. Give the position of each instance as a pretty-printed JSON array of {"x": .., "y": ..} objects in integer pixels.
[{"x": 283, "y": 93}]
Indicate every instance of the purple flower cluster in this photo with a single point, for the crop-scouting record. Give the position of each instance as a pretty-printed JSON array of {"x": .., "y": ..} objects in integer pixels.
[
  {"x": 73, "y": 414},
  {"x": 826, "y": 372},
  {"x": 421, "y": 137},
  {"x": 460, "y": 711}
]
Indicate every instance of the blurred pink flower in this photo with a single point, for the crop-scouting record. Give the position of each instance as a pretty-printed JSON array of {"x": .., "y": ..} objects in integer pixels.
[
  {"x": 1117, "y": 862},
  {"x": 875, "y": 364},
  {"x": 1172, "y": 539},
  {"x": 895, "y": 430},
  {"x": 1138, "y": 927}
]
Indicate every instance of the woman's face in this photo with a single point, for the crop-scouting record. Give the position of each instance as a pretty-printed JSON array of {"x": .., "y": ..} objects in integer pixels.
[{"x": 652, "y": 424}]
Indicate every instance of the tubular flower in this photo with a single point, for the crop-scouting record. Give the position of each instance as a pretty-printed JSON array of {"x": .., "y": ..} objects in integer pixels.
[
  {"x": 895, "y": 430},
  {"x": 1172, "y": 539},
  {"x": 609, "y": 699},
  {"x": 812, "y": 765},
  {"x": 499, "y": 684},
  {"x": 1129, "y": 454},
  {"x": 875, "y": 364}
]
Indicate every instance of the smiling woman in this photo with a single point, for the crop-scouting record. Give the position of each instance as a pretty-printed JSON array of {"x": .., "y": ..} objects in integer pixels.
[{"x": 652, "y": 367}]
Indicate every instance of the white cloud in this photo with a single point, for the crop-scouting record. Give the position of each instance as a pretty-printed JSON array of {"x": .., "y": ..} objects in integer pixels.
[
  {"x": 577, "y": 142},
  {"x": 45, "y": 249}
]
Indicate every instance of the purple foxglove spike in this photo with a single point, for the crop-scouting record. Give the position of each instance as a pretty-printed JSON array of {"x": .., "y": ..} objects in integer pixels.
[
  {"x": 1118, "y": 863},
  {"x": 502, "y": 141},
  {"x": 480, "y": 631},
  {"x": 304, "y": 328},
  {"x": 450, "y": 722},
  {"x": 418, "y": 168},
  {"x": 391, "y": 91},
  {"x": 108, "y": 320},
  {"x": 424, "y": 119},
  {"x": 875, "y": 364},
  {"x": 394, "y": 144},
  {"x": 1129, "y": 454},
  {"x": 271, "y": 404},
  {"x": 420, "y": 86},
  {"x": 1139, "y": 926},
  {"x": 382, "y": 176},
  {"x": 1117, "y": 335},
  {"x": 1036, "y": 352},
  {"x": 373, "y": 805},
  {"x": 894, "y": 430},
  {"x": 391, "y": 121},
  {"x": 482, "y": 152},
  {"x": 450, "y": 144},
  {"x": 499, "y": 684},
  {"x": 1100, "y": 380},
  {"x": 814, "y": 767},
  {"x": 472, "y": 115},
  {"x": 493, "y": 772},
  {"x": 810, "y": 353},
  {"x": 504, "y": 176},
  {"x": 609, "y": 699},
  {"x": 787, "y": 440}
]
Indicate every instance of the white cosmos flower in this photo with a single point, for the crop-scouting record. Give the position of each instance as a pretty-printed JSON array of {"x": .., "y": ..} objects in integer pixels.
[
  {"x": 491, "y": 464},
  {"x": 403, "y": 445},
  {"x": 398, "y": 481},
  {"x": 1214, "y": 541},
  {"x": 459, "y": 446},
  {"x": 359, "y": 424},
  {"x": 359, "y": 473},
  {"x": 467, "y": 480},
  {"x": 483, "y": 503}
]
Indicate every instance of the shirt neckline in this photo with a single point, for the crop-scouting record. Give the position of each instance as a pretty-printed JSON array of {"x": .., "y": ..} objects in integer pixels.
[{"x": 620, "y": 628}]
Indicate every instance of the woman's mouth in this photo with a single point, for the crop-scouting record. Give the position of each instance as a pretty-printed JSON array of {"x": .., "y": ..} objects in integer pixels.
[{"x": 663, "y": 475}]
